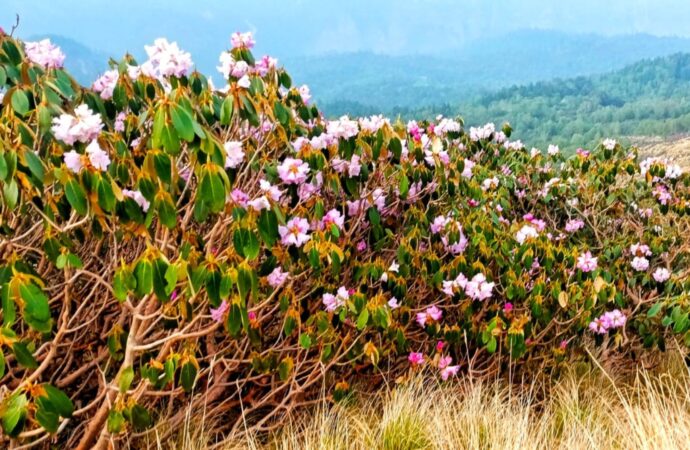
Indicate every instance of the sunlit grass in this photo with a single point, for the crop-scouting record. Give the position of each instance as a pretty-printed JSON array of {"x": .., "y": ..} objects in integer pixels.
[{"x": 594, "y": 409}]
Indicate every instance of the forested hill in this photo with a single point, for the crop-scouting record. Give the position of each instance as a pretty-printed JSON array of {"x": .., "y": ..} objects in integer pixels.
[
  {"x": 648, "y": 98},
  {"x": 378, "y": 83}
]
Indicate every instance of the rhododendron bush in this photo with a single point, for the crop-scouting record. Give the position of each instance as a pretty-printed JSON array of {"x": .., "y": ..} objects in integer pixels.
[{"x": 165, "y": 243}]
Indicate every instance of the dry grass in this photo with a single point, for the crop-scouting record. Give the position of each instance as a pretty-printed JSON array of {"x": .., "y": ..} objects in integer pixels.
[{"x": 591, "y": 410}]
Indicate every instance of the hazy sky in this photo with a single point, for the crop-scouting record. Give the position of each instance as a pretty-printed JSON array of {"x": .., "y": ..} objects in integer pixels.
[{"x": 297, "y": 27}]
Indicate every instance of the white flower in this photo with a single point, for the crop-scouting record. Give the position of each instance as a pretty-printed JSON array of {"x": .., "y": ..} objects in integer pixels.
[
  {"x": 525, "y": 233},
  {"x": 234, "y": 155},
  {"x": 138, "y": 197},
  {"x": 97, "y": 156},
  {"x": 609, "y": 144},
  {"x": 640, "y": 264},
  {"x": 73, "y": 161},
  {"x": 661, "y": 274}
]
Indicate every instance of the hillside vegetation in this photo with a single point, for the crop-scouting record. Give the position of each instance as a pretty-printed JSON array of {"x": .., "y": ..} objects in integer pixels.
[{"x": 169, "y": 247}]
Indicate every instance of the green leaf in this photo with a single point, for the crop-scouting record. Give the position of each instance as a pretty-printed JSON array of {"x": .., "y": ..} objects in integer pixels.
[
  {"x": 14, "y": 411},
  {"x": 143, "y": 273},
  {"x": 183, "y": 122},
  {"x": 76, "y": 197},
  {"x": 187, "y": 376},
  {"x": 126, "y": 378},
  {"x": 36, "y": 308},
  {"x": 23, "y": 355},
  {"x": 226, "y": 110},
  {"x": 35, "y": 165},
  {"x": 140, "y": 418},
  {"x": 167, "y": 214},
  {"x": 115, "y": 422},
  {"x": 281, "y": 113},
  {"x": 305, "y": 341},
  {"x": 59, "y": 400},
  {"x": 10, "y": 192},
  {"x": 654, "y": 310},
  {"x": 268, "y": 227},
  {"x": 212, "y": 191},
  {"x": 363, "y": 319},
  {"x": 20, "y": 102},
  {"x": 46, "y": 416}
]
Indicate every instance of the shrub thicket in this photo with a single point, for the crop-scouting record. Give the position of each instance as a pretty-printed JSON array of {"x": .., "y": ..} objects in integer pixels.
[{"x": 164, "y": 243}]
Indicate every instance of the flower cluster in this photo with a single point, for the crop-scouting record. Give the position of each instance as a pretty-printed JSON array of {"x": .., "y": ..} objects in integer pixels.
[
  {"x": 44, "y": 53},
  {"x": 84, "y": 126},
  {"x": 608, "y": 321}
]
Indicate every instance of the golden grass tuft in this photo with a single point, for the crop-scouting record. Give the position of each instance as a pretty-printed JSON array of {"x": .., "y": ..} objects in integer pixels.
[{"x": 590, "y": 410}]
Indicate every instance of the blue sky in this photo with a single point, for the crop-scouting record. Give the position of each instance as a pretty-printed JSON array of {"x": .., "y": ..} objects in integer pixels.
[{"x": 285, "y": 27}]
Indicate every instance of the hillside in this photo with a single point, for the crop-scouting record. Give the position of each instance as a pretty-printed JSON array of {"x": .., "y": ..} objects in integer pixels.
[
  {"x": 648, "y": 98},
  {"x": 367, "y": 83}
]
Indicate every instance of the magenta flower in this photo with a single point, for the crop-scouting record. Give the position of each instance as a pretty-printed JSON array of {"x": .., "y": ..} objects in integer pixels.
[
  {"x": 293, "y": 171},
  {"x": 218, "y": 313},
  {"x": 586, "y": 262},
  {"x": 508, "y": 308},
  {"x": 416, "y": 359},
  {"x": 294, "y": 232}
]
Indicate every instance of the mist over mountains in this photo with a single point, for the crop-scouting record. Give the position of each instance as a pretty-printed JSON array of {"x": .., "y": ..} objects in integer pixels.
[{"x": 381, "y": 82}]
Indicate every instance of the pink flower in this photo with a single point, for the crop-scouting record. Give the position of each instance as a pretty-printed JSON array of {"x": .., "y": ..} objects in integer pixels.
[
  {"x": 416, "y": 359},
  {"x": 97, "y": 156},
  {"x": 361, "y": 246},
  {"x": 304, "y": 93},
  {"x": 640, "y": 264},
  {"x": 640, "y": 250},
  {"x": 84, "y": 126},
  {"x": 332, "y": 217},
  {"x": 277, "y": 277},
  {"x": 295, "y": 232},
  {"x": 573, "y": 225},
  {"x": 508, "y": 308},
  {"x": 120, "y": 122},
  {"x": 106, "y": 83},
  {"x": 598, "y": 326},
  {"x": 272, "y": 192},
  {"x": 293, "y": 171},
  {"x": 259, "y": 203},
  {"x": 333, "y": 302},
  {"x": 166, "y": 59},
  {"x": 393, "y": 303},
  {"x": 44, "y": 53},
  {"x": 478, "y": 288},
  {"x": 586, "y": 262},
  {"x": 614, "y": 319},
  {"x": 233, "y": 154},
  {"x": 431, "y": 313},
  {"x": 354, "y": 167},
  {"x": 239, "y": 197},
  {"x": 440, "y": 345},
  {"x": 218, "y": 313},
  {"x": 138, "y": 197},
  {"x": 446, "y": 369},
  {"x": 242, "y": 40},
  {"x": 73, "y": 161},
  {"x": 661, "y": 274},
  {"x": 439, "y": 224}
]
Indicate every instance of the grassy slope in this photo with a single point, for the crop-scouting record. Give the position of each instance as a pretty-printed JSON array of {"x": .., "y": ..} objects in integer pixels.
[{"x": 590, "y": 409}]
